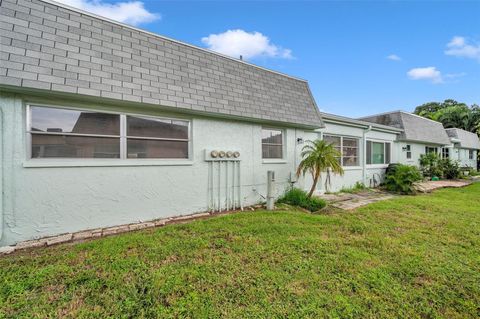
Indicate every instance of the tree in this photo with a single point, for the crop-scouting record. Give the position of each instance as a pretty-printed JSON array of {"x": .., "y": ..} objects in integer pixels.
[
  {"x": 452, "y": 114},
  {"x": 317, "y": 157}
]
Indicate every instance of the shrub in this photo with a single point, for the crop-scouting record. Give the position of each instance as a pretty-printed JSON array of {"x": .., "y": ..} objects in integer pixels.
[
  {"x": 298, "y": 197},
  {"x": 450, "y": 169},
  {"x": 358, "y": 187},
  {"x": 402, "y": 178},
  {"x": 430, "y": 165}
]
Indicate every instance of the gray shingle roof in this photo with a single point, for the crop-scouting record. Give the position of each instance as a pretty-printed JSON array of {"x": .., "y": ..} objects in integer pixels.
[
  {"x": 467, "y": 139},
  {"x": 415, "y": 128},
  {"x": 51, "y": 47},
  {"x": 343, "y": 119}
]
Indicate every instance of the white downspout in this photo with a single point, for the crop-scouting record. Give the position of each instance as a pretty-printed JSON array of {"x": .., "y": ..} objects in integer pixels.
[
  {"x": 1, "y": 173},
  {"x": 364, "y": 157}
]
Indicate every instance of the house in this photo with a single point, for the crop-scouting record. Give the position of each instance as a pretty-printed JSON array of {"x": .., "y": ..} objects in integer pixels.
[
  {"x": 419, "y": 135},
  {"x": 103, "y": 124},
  {"x": 464, "y": 148},
  {"x": 367, "y": 149}
]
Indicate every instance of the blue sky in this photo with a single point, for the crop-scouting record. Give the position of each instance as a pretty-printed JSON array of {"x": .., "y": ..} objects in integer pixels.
[{"x": 358, "y": 57}]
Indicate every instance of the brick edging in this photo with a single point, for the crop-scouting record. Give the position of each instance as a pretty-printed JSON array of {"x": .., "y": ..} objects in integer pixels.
[{"x": 106, "y": 231}]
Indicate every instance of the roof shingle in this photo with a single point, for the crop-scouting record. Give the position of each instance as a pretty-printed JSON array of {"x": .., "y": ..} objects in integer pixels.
[
  {"x": 58, "y": 49},
  {"x": 415, "y": 128}
]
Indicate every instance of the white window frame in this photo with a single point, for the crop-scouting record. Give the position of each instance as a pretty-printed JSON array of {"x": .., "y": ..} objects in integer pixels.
[
  {"x": 408, "y": 148},
  {"x": 429, "y": 148},
  {"x": 471, "y": 154},
  {"x": 384, "y": 164},
  {"x": 123, "y": 160},
  {"x": 274, "y": 160},
  {"x": 341, "y": 148},
  {"x": 445, "y": 151}
]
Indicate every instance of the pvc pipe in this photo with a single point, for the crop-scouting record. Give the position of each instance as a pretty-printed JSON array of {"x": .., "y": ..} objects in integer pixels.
[
  {"x": 227, "y": 191},
  {"x": 270, "y": 190},
  {"x": 240, "y": 186}
]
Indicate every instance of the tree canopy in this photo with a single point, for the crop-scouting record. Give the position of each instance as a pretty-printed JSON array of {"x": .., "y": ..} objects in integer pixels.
[{"x": 452, "y": 114}]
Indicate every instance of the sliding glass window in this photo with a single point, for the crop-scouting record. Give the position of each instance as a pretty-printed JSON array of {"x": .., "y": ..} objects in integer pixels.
[
  {"x": 71, "y": 133},
  {"x": 348, "y": 148}
]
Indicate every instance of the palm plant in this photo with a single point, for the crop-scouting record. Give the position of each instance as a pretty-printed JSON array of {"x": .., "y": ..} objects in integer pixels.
[{"x": 317, "y": 157}]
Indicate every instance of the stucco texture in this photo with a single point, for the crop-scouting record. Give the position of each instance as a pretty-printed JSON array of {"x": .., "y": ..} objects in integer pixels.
[{"x": 42, "y": 201}]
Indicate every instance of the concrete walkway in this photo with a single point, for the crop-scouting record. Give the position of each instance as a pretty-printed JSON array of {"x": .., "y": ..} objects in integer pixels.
[
  {"x": 426, "y": 187},
  {"x": 347, "y": 201}
]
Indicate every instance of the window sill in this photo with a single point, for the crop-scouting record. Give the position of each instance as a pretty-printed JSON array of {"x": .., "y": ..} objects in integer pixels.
[
  {"x": 274, "y": 161},
  {"x": 104, "y": 163},
  {"x": 352, "y": 168},
  {"x": 377, "y": 165}
]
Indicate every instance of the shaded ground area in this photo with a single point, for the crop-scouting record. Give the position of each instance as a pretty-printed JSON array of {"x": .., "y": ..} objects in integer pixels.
[{"x": 409, "y": 257}]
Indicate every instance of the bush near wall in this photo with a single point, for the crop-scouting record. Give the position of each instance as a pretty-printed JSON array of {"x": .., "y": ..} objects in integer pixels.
[
  {"x": 432, "y": 165},
  {"x": 298, "y": 197},
  {"x": 402, "y": 179}
]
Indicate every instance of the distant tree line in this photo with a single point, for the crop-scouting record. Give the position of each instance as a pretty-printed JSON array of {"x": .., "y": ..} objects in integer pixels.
[{"x": 452, "y": 114}]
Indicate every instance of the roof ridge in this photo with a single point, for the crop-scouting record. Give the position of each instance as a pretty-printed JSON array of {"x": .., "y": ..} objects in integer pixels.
[{"x": 59, "y": 4}]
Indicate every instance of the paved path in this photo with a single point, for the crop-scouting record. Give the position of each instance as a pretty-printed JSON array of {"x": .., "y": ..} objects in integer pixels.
[
  {"x": 429, "y": 186},
  {"x": 349, "y": 201}
]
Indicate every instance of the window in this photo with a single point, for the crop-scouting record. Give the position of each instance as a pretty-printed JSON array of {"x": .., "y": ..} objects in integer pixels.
[
  {"x": 68, "y": 133},
  {"x": 272, "y": 144},
  {"x": 445, "y": 152},
  {"x": 471, "y": 154},
  {"x": 409, "y": 151},
  {"x": 429, "y": 149},
  {"x": 156, "y": 138},
  {"x": 348, "y": 148},
  {"x": 378, "y": 152}
]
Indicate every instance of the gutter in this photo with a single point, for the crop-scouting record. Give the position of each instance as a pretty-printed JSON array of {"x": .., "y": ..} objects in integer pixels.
[{"x": 364, "y": 157}]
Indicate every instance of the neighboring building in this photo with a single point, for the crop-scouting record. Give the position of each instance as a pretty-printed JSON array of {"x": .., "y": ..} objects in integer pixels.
[
  {"x": 103, "y": 124},
  {"x": 464, "y": 148},
  {"x": 419, "y": 135},
  {"x": 366, "y": 148}
]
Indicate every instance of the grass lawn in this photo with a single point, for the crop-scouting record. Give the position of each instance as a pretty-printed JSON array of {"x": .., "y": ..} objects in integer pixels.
[{"x": 411, "y": 257}]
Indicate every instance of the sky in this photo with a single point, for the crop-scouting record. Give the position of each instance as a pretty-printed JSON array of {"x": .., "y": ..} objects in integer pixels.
[{"x": 359, "y": 57}]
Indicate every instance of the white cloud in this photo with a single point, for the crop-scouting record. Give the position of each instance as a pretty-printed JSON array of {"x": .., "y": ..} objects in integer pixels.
[
  {"x": 247, "y": 44},
  {"x": 460, "y": 47},
  {"x": 131, "y": 12},
  {"x": 394, "y": 57},
  {"x": 428, "y": 73}
]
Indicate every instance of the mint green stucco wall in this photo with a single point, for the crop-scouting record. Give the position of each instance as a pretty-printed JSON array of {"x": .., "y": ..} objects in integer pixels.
[{"x": 43, "y": 201}]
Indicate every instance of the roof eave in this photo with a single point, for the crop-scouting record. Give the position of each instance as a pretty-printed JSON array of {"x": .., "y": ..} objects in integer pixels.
[{"x": 46, "y": 96}]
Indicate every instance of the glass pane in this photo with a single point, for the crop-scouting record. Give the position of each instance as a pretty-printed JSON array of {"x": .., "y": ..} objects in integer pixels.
[
  {"x": 47, "y": 119},
  {"x": 350, "y": 161},
  {"x": 272, "y": 136},
  {"x": 387, "y": 153},
  {"x": 160, "y": 128},
  {"x": 65, "y": 146},
  {"x": 353, "y": 142},
  {"x": 378, "y": 156},
  {"x": 332, "y": 139},
  {"x": 369, "y": 152},
  {"x": 272, "y": 151},
  {"x": 137, "y": 148},
  {"x": 350, "y": 151}
]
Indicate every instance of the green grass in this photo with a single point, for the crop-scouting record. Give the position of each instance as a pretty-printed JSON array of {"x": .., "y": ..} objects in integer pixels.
[{"x": 411, "y": 257}]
